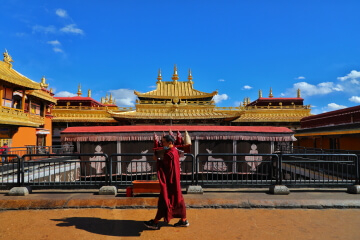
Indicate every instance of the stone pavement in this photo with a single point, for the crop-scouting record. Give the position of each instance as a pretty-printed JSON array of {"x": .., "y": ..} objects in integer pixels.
[{"x": 212, "y": 198}]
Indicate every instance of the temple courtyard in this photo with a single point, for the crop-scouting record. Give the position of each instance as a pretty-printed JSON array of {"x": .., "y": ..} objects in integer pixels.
[
  {"x": 216, "y": 214},
  {"x": 205, "y": 224}
]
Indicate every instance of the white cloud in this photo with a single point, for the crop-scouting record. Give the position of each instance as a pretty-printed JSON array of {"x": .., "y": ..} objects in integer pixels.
[
  {"x": 218, "y": 98},
  {"x": 352, "y": 75},
  {"x": 42, "y": 29},
  {"x": 65, "y": 94},
  {"x": 124, "y": 97},
  {"x": 56, "y": 49},
  {"x": 354, "y": 81},
  {"x": 323, "y": 88},
  {"x": 300, "y": 78},
  {"x": 54, "y": 43},
  {"x": 71, "y": 28},
  {"x": 355, "y": 99},
  {"x": 247, "y": 87},
  {"x": 333, "y": 106},
  {"x": 221, "y": 80},
  {"x": 61, "y": 13}
]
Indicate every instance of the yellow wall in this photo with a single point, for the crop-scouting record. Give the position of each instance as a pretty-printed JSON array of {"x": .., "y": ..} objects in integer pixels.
[
  {"x": 48, "y": 126},
  {"x": 24, "y": 136},
  {"x": 350, "y": 143},
  {"x": 305, "y": 142},
  {"x": 27, "y": 135}
]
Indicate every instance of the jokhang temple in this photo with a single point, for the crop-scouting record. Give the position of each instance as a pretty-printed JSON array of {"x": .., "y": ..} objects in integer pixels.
[{"x": 177, "y": 103}]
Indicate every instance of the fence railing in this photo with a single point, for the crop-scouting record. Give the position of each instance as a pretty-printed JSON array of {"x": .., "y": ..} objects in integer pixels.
[{"x": 221, "y": 170}]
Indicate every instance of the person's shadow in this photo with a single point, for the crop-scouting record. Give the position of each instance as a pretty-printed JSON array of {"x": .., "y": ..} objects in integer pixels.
[{"x": 129, "y": 228}]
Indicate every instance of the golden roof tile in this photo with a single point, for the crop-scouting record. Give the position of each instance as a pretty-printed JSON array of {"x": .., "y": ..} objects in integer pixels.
[
  {"x": 8, "y": 74},
  {"x": 170, "y": 90}
]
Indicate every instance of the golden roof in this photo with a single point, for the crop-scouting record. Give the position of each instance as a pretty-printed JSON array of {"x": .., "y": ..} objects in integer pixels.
[
  {"x": 191, "y": 114},
  {"x": 171, "y": 89},
  {"x": 8, "y": 74},
  {"x": 273, "y": 115},
  {"x": 41, "y": 94}
]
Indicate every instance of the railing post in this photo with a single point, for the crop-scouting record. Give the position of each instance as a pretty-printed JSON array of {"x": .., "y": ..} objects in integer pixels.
[
  {"x": 18, "y": 172},
  {"x": 110, "y": 170},
  {"x": 357, "y": 170},
  {"x": 196, "y": 169},
  {"x": 22, "y": 169}
]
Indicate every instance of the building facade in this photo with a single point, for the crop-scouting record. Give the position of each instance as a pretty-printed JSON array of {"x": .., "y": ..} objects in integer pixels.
[{"x": 25, "y": 108}]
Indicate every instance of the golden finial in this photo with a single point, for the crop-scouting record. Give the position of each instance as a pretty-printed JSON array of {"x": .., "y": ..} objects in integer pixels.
[
  {"x": 102, "y": 100},
  {"x": 89, "y": 93},
  {"x": 175, "y": 76},
  {"x": 299, "y": 93},
  {"x": 79, "y": 93},
  {"x": 43, "y": 83},
  {"x": 248, "y": 100},
  {"x": 260, "y": 93},
  {"x": 51, "y": 90},
  {"x": 159, "y": 78},
  {"x": 271, "y": 94},
  {"x": 190, "y": 76},
  {"x": 7, "y": 58},
  {"x": 111, "y": 99},
  {"x": 106, "y": 99}
]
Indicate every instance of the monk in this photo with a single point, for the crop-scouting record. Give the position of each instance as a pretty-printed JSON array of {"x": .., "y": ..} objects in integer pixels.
[{"x": 171, "y": 202}]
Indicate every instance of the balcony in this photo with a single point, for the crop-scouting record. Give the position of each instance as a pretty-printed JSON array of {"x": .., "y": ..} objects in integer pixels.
[{"x": 13, "y": 116}]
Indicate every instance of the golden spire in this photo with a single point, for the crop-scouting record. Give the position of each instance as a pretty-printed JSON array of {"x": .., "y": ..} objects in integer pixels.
[
  {"x": 43, "y": 83},
  {"x": 51, "y": 90},
  {"x": 190, "y": 76},
  {"x": 260, "y": 93},
  {"x": 7, "y": 58},
  {"x": 271, "y": 94},
  {"x": 79, "y": 93},
  {"x": 102, "y": 100},
  {"x": 89, "y": 93},
  {"x": 299, "y": 93},
  {"x": 175, "y": 76},
  {"x": 111, "y": 99},
  {"x": 159, "y": 78},
  {"x": 106, "y": 99}
]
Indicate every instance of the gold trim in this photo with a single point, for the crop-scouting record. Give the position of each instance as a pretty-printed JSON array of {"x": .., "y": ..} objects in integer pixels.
[{"x": 12, "y": 76}]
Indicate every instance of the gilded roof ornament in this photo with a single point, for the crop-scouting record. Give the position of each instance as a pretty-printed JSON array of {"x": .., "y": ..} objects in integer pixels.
[
  {"x": 190, "y": 76},
  {"x": 43, "y": 83},
  {"x": 299, "y": 93},
  {"x": 7, "y": 58},
  {"x": 175, "y": 76},
  {"x": 79, "y": 93},
  {"x": 271, "y": 93},
  {"x": 89, "y": 93},
  {"x": 111, "y": 99},
  {"x": 159, "y": 78},
  {"x": 260, "y": 93}
]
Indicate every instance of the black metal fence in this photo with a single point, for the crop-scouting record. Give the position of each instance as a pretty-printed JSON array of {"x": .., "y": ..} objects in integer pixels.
[{"x": 221, "y": 170}]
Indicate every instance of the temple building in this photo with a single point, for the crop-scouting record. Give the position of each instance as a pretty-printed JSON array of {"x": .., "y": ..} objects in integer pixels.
[
  {"x": 176, "y": 103},
  {"x": 271, "y": 111},
  {"x": 335, "y": 130},
  {"x": 25, "y": 106}
]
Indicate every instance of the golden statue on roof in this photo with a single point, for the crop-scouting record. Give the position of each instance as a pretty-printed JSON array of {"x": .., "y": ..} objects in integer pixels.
[
  {"x": 7, "y": 57},
  {"x": 43, "y": 83}
]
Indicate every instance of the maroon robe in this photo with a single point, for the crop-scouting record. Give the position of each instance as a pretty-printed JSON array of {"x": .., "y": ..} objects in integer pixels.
[{"x": 171, "y": 202}]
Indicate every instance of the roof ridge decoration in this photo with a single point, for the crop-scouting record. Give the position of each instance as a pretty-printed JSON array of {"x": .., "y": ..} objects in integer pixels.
[
  {"x": 170, "y": 89},
  {"x": 43, "y": 83},
  {"x": 7, "y": 58}
]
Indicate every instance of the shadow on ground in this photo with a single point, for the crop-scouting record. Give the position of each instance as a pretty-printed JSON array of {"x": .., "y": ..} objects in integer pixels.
[{"x": 124, "y": 228}]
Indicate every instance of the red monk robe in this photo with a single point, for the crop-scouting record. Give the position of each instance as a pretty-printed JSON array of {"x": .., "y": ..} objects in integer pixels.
[{"x": 171, "y": 202}]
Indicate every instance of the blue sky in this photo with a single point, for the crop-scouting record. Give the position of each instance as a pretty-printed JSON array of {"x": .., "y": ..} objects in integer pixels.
[{"x": 235, "y": 47}]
